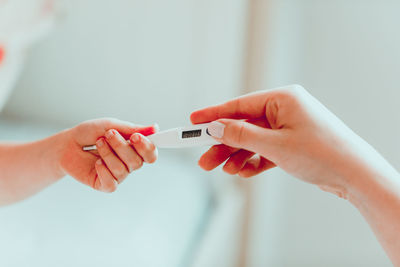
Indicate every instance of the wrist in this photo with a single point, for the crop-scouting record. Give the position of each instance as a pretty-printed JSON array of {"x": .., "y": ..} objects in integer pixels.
[
  {"x": 54, "y": 149},
  {"x": 376, "y": 194},
  {"x": 357, "y": 171},
  {"x": 370, "y": 181},
  {"x": 374, "y": 187}
]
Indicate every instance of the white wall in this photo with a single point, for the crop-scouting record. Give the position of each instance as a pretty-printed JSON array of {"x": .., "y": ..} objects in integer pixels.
[
  {"x": 143, "y": 61},
  {"x": 347, "y": 54}
]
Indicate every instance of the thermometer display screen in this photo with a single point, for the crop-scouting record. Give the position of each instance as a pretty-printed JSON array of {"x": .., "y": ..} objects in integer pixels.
[{"x": 191, "y": 134}]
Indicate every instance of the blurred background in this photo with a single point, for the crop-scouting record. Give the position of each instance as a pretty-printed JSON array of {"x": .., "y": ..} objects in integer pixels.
[{"x": 62, "y": 62}]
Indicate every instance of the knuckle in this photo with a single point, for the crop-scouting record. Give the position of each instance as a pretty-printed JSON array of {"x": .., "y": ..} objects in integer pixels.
[
  {"x": 293, "y": 92},
  {"x": 105, "y": 152},
  {"x": 116, "y": 143},
  {"x": 238, "y": 130},
  {"x": 287, "y": 95}
]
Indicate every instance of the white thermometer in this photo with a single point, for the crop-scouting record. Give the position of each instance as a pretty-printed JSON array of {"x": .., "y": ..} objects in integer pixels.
[{"x": 190, "y": 136}]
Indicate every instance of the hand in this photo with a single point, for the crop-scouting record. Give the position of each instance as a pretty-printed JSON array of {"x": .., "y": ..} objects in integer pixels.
[
  {"x": 114, "y": 159},
  {"x": 284, "y": 127},
  {"x": 289, "y": 128}
]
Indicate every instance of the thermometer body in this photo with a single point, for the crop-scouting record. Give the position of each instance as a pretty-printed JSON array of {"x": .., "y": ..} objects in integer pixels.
[{"x": 189, "y": 136}]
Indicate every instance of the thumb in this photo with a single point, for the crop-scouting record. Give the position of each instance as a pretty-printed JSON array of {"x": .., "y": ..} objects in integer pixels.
[{"x": 245, "y": 135}]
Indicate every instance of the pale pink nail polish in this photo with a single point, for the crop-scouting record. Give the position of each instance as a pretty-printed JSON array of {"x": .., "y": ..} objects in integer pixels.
[{"x": 216, "y": 129}]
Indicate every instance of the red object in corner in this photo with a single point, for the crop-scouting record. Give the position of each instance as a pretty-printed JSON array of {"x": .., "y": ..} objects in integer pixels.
[{"x": 2, "y": 52}]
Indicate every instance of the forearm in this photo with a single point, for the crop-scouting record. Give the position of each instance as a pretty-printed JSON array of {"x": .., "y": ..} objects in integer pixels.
[
  {"x": 375, "y": 192},
  {"x": 28, "y": 168}
]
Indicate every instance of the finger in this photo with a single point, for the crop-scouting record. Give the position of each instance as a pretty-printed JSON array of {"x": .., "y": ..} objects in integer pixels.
[
  {"x": 245, "y": 107},
  {"x": 215, "y": 156},
  {"x": 124, "y": 151},
  {"x": 113, "y": 163},
  {"x": 97, "y": 128},
  {"x": 126, "y": 129},
  {"x": 105, "y": 181},
  {"x": 146, "y": 149},
  {"x": 256, "y": 165},
  {"x": 237, "y": 161},
  {"x": 218, "y": 154},
  {"x": 244, "y": 135},
  {"x": 262, "y": 122}
]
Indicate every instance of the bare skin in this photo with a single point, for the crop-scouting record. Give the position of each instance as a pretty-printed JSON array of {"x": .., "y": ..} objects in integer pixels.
[
  {"x": 28, "y": 168},
  {"x": 288, "y": 128}
]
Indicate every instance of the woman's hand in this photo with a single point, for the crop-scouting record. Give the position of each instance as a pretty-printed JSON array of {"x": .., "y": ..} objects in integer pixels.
[
  {"x": 289, "y": 128},
  {"x": 285, "y": 127},
  {"x": 114, "y": 159}
]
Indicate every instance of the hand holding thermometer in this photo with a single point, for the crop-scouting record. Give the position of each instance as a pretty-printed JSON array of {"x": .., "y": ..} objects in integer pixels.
[{"x": 190, "y": 136}]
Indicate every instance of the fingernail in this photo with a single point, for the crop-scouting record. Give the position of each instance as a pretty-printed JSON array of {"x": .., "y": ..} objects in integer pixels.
[
  {"x": 98, "y": 162},
  {"x": 110, "y": 133},
  {"x": 156, "y": 126},
  {"x": 130, "y": 170},
  {"x": 100, "y": 142},
  {"x": 135, "y": 138},
  {"x": 216, "y": 129}
]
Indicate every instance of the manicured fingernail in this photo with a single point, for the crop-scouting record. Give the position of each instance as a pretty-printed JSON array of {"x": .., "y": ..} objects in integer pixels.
[
  {"x": 216, "y": 129},
  {"x": 135, "y": 138},
  {"x": 98, "y": 162},
  {"x": 156, "y": 126},
  {"x": 110, "y": 133},
  {"x": 100, "y": 142}
]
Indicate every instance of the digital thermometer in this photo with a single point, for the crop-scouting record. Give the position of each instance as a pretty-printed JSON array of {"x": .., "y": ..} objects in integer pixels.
[{"x": 190, "y": 136}]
